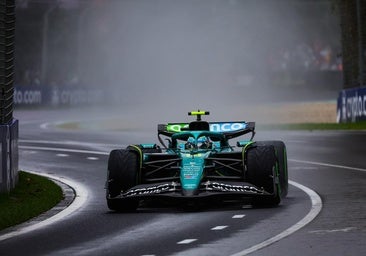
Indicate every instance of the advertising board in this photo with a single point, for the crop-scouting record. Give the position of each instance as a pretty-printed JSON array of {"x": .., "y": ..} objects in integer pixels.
[{"x": 351, "y": 105}]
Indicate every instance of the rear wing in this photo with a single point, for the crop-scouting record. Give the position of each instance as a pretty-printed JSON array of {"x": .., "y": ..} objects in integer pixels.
[{"x": 229, "y": 129}]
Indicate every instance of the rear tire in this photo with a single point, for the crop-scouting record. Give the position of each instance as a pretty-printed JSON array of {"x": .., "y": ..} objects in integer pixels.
[
  {"x": 261, "y": 162},
  {"x": 123, "y": 170}
]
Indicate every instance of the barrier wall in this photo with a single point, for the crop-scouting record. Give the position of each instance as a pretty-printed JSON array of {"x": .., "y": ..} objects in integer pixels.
[
  {"x": 57, "y": 96},
  {"x": 351, "y": 105}
]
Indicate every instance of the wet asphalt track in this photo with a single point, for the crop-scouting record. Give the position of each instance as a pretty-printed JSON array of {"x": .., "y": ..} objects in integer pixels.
[{"x": 331, "y": 163}]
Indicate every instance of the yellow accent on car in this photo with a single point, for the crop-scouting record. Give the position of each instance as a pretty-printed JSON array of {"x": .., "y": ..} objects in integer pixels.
[{"x": 199, "y": 112}]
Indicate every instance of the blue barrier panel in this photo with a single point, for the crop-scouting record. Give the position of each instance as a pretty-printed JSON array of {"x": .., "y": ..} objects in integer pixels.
[
  {"x": 351, "y": 105},
  {"x": 5, "y": 166},
  {"x": 14, "y": 152},
  {"x": 3, "y": 172},
  {"x": 9, "y": 155}
]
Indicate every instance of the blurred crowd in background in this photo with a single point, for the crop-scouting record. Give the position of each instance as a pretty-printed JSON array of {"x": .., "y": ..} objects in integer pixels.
[
  {"x": 320, "y": 55},
  {"x": 53, "y": 44}
]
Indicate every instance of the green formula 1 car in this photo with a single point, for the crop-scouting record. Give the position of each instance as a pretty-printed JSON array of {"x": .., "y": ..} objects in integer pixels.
[{"x": 196, "y": 161}]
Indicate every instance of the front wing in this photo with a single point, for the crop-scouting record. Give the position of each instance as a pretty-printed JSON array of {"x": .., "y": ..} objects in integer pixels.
[{"x": 207, "y": 189}]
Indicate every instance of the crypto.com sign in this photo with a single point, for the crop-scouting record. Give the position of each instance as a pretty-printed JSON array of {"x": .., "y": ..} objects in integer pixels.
[{"x": 351, "y": 105}]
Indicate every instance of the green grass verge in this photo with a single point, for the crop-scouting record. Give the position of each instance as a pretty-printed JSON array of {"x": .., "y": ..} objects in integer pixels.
[
  {"x": 315, "y": 126},
  {"x": 32, "y": 196}
]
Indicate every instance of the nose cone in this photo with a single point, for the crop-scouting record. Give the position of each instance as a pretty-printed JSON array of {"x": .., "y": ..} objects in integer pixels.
[{"x": 191, "y": 173}]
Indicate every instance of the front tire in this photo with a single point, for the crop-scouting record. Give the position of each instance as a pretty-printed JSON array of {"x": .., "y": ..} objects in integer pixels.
[
  {"x": 123, "y": 170},
  {"x": 261, "y": 164},
  {"x": 281, "y": 154}
]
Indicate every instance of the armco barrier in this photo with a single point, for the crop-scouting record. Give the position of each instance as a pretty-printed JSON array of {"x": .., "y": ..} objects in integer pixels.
[
  {"x": 9, "y": 155},
  {"x": 351, "y": 105}
]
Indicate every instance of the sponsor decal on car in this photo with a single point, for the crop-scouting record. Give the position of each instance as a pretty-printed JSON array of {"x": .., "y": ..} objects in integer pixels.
[
  {"x": 214, "y": 127},
  {"x": 227, "y": 127},
  {"x": 176, "y": 127}
]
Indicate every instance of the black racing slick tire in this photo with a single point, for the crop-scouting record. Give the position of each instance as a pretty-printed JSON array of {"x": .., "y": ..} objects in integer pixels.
[
  {"x": 281, "y": 154},
  {"x": 261, "y": 164},
  {"x": 123, "y": 174}
]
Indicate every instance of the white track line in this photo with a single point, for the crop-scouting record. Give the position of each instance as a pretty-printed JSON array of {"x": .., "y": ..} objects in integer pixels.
[
  {"x": 238, "y": 216},
  {"x": 315, "y": 209},
  {"x": 69, "y": 142},
  {"x": 316, "y": 202},
  {"x": 316, "y": 206},
  {"x": 92, "y": 158},
  {"x": 328, "y": 165},
  {"x": 219, "y": 227},
  {"x": 187, "y": 241},
  {"x": 80, "y": 199},
  {"x": 65, "y": 150}
]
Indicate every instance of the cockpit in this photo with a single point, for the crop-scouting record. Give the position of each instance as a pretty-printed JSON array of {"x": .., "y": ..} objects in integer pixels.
[{"x": 197, "y": 140}]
